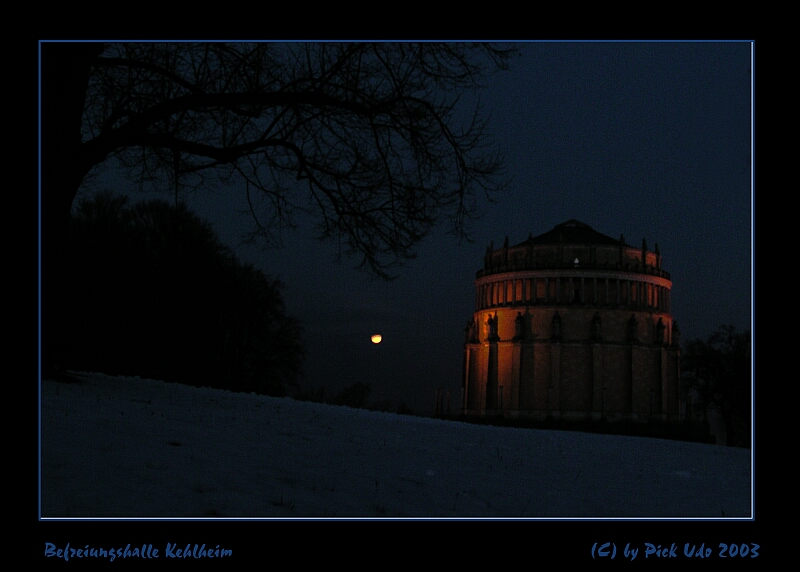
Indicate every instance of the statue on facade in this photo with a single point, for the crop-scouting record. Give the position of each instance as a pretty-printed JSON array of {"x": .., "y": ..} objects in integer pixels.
[
  {"x": 519, "y": 326},
  {"x": 596, "y": 331},
  {"x": 473, "y": 332},
  {"x": 492, "y": 323},
  {"x": 660, "y": 327},
  {"x": 556, "y": 326},
  {"x": 632, "y": 329}
]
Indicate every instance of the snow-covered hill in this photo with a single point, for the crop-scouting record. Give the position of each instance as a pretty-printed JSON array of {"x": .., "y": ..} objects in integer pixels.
[{"x": 129, "y": 447}]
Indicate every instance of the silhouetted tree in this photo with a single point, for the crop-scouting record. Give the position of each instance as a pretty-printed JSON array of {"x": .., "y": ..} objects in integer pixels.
[
  {"x": 368, "y": 137},
  {"x": 154, "y": 293},
  {"x": 721, "y": 369}
]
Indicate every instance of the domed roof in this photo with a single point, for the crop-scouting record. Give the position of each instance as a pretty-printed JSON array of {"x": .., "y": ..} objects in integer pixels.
[{"x": 571, "y": 232}]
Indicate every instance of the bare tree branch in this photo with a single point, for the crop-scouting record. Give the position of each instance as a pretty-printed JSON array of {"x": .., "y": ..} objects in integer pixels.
[{"x": 372, "y": 132}]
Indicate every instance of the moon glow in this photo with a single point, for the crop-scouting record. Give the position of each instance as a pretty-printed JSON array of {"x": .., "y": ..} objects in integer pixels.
[{"x": 376, "y": 338}]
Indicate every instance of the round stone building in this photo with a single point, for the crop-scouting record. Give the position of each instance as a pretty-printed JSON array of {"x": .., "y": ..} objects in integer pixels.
[{"x": 572, "y": 325}]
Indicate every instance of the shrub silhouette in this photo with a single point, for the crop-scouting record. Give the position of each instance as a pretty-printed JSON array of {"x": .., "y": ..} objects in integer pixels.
[{"x": 154, "y": 293}]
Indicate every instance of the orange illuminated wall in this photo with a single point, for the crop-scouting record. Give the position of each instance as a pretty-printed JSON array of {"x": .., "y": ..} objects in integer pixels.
[{"x": 572, "y": 324}]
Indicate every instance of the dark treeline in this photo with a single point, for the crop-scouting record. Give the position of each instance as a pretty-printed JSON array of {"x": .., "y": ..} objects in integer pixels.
[
  {"x": 153, "y": 293},
  {"x": 717, "y": 382}
]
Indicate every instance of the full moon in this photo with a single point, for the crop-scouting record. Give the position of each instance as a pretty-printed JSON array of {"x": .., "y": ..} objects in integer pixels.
[{"x": 376, "y": 338}]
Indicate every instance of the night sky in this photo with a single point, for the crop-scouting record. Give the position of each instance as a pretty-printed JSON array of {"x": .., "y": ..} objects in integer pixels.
[{"x": 645, "y": 139}]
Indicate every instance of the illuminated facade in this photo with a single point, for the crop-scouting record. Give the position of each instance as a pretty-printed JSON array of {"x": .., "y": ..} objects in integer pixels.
[{"x": 572, "y": 325}]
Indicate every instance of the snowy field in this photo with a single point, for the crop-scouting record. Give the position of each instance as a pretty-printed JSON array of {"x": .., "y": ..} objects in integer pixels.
[{"x": 129, "y": 448}]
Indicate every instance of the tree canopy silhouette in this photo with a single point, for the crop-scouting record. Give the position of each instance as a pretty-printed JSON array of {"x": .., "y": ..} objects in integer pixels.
[
  {"x": 369, "y": 139},
  {"x": 720, "y": 372},
  {"x": 154, "y": 293}
]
